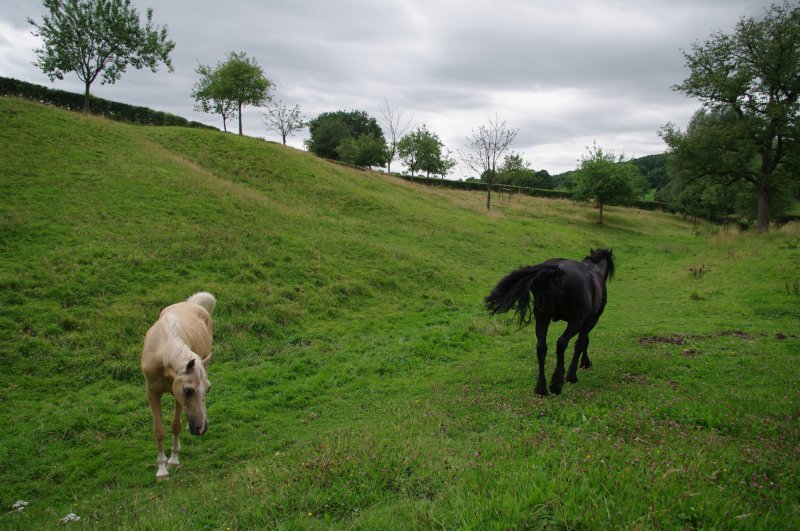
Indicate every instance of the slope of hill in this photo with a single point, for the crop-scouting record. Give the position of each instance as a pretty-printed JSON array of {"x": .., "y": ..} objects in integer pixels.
[{"x": 357, "y": 380}]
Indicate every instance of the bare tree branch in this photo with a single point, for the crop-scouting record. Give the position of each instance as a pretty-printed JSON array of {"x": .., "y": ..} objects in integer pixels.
[{"x": 391, "y": 120}]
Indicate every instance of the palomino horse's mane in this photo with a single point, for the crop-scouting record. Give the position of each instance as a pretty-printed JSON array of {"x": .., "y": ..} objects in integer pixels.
[{"x": 176, "y": 352}]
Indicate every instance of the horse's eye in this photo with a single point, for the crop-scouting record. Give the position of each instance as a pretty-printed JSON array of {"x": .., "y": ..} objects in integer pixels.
[{"x": 188, "y": 391}]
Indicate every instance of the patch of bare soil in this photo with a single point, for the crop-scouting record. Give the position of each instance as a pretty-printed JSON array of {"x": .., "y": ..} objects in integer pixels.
[{"x": 682, "y": 339}]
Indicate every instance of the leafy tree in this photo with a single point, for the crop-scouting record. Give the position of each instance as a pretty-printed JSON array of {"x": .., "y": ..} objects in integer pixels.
[
  {"x": 606, "y": 179},
  {"x": 517, "y": 171},
  {"x": 242, "y": 81},
  {"x": 210, "y": 96},
  {"x": 363, "y": 151},
  {"x": 283, "y": 120},
  {"x": 421, "y": 150},
  {"x": 513, "y": 168},
  {"x": 484, "y": 149},
  {"x": 98, "y": 38},
  {"x": 329, "y": 130},
  {"x": 654, "y": 169},
  {"x": 697, "y": 199},
  {"x": 445, "y": 164},
  {"x": 749, "y": 83}
]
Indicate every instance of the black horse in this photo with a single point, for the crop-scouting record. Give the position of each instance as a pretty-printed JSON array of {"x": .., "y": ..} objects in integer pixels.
[{"x": 563, "y": 290}]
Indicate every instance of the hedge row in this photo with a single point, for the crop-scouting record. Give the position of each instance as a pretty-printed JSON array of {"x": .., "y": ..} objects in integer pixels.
[
  {"x": 481, "y": 187},
  {"x": 505, "y": 188},
  {"x": 98, "y": 106}
]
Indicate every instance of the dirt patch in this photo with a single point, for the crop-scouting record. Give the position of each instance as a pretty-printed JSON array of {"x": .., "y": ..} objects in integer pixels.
[
  {"x": 671, "y": 340},
  {"x": 639, "y": 379},
  {"x": 682, "y": 339}
]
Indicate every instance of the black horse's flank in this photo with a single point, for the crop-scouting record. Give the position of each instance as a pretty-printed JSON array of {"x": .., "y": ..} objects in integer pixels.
[{"x": 557, "y": 290}]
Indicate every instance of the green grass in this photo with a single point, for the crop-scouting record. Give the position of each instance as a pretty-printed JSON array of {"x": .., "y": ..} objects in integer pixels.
[{"x": 358, "y": 382}]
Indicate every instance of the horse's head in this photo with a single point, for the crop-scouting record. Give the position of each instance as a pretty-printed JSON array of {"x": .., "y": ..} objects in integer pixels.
[
  {"x": 189, "y": 387},
  {"x": 600, "y": 257}
]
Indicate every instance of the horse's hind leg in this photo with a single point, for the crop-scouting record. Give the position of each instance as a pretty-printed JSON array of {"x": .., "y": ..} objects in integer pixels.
[
  {"x": 580, "y": 348},
  {"x": 557, "y": 380},
  {"x": 585, "y": 363},
  {"x": 541, "y": 353},
  {"x": 158, "y": 434},
  {"x": 174, "y": 455}
]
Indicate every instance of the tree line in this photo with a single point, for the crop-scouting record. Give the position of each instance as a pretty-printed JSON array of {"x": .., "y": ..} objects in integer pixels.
[{"x": 740, "y": 151}]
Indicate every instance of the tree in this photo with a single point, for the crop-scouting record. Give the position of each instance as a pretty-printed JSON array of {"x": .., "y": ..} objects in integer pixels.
[
  {"x": 517, "y": 171},
  {"x": 283, "y": 120},
  {"x": 363, "y": 151},
  {"x": 445, "y": 164},
  {"x": 749, "y": 84},
  {"x": 392, "y": 121},
  {"x": 210, "y": 97},
  {"x": 606, "y": 179},
  {"x": 421, "y": 150},
  {"x": 484, "y": 148},
  {"x": 329, "y": 130},
  {"x": 98, "y": 38},
  {"x": 242, "y": 81}
]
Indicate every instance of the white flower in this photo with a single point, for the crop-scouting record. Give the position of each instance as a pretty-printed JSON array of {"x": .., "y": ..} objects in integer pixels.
[
  {"x": 20, "y": 506},
  {"x": 71, "y": 517}
]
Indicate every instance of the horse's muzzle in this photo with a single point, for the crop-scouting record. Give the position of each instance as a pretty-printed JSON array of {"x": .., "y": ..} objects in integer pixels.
[{"x": 198, "y": 429}]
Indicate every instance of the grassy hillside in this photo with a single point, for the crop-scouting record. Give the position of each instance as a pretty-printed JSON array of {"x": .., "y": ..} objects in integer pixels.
[{"x": 358, "y": 382}]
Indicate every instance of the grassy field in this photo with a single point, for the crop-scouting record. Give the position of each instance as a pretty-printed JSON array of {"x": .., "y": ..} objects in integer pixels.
[{"x": 358, "y": 381}]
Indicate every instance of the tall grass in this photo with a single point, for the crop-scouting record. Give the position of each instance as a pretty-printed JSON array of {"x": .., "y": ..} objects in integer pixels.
[{"x": 358, "y": 382}]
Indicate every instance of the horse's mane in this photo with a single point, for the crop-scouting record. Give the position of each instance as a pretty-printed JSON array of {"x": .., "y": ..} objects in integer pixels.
[
  {"x": 598, "y": 255},
  {"x": 176, "y": 351}
]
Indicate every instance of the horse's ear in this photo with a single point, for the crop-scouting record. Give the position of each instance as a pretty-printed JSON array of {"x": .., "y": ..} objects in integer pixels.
[
  {"x": 206, "y": 361},
  {"x": 189, "y": 366}
]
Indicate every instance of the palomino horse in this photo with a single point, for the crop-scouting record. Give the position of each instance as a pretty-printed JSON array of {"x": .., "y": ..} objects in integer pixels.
[
  {"x": 177, "y": 350},
  {"x": 563, "y": 290}
]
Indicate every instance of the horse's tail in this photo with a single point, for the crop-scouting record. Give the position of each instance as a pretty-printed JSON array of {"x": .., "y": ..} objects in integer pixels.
[
  {"x": 204, "y": 299},
  {"x": 514, "y": 291}
]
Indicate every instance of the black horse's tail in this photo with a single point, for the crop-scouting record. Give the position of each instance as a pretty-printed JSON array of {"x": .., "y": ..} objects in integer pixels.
[{"x": 515, "y": 289}]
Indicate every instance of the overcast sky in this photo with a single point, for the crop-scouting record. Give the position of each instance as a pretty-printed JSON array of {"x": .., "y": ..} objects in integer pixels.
[{"x": 564, "y": 72}]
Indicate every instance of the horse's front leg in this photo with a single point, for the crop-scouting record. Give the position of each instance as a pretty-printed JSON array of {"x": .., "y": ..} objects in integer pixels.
[
  {"x": 541, "y": 353},
  {"x": 557, "y": 380},
  {"x": 174, "y": 455},
  {"x": 158, "y": 434}
]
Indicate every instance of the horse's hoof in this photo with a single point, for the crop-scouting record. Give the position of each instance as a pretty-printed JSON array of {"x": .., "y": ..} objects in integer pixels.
[
  {"x": 162, "y": 477},
  {"x": 555, "y": 390},
  {"x": 572, "y": 379},
  {"x": 541, "y": 392}
]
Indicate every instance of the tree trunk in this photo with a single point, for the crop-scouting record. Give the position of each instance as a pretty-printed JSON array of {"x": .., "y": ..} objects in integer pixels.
[
  {"x": 488, "y": 195},
  {"x": 240, "y": 118},
  {"x": 600, "y": 206},
  {"x": 224, "y": 124},
  {"x": 762, "y": 224},
  {"x": 86, "y": 99}
]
